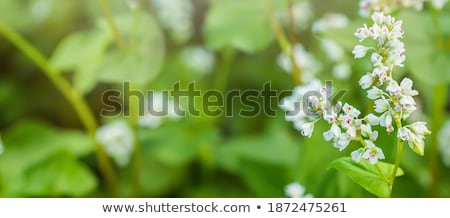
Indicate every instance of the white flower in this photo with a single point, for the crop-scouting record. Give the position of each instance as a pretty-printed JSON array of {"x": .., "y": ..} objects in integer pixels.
[
  {"x": 342, "y": 71},
  {"x": 376, "y": 59},
  {"x": 366, "y": 130},
  {"x": 351, "y": 111},
  {"x": 420, "y": 128},
  {"x": 362, "y": 33},
  {"x": 393, "y": 88},
  {"x": 333, "y": 133},
  {"x": 406, "y": 87},
  {"x": 366, "y": 81},
  {"x": 199, "y": 59},
  {"x": 308, "y": 64},
  {"x": 306, "y": 129},
  {"x": 342, "y": 142},
  {"x": 295, "y": 190},
  {"x": 372, "y": 153},
  {"x": 357, "y": 154},
  {"x": 378, "y": 17},
  {"x": 408, "y": 103},
  {"x": 404, "y": 133},
  {"x": 157, "y": 108},
  {"x": 175, "y": 16},
  {"x": 381, "y": 105},
  {"x": 416, "y": 143},
  {"x": 117, "y": 140},
  {"x": 439, "y": 4},
  {"x": 330, "y": 21},
  {"x": 333, "y": 50},
  {"x": 372, "y": 119},
  {"x": 360, "y": 51},
  {"x": 386, "y": 121}
]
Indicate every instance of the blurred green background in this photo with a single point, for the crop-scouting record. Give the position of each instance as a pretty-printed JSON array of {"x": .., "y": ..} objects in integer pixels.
[{"x": 48, "y": 152}]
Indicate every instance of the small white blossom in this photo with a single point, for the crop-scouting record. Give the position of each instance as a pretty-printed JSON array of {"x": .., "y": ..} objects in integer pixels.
[
  {"x": 406, "y": 87},
  {"x": 374, "y": 93},
  {"x": 342, "y": 71},
  {"x": 158, "y": 107},
  {"x": 366, "y": 81},
  {"x": 342, "y": 142},
  {"x": 381, "y": 105},
  {"x": 386, "y": 121},
  {"x": 330, "y": 21},
  {"x": 199, "y": 59},
  {"x": 357, "y": 154},
  {"x": 439, "y": 4},
  {"x": 420, "y": 128},
  {"x": 404, "y": 133},
  {"x": 333, "y": 133},
  {"x": 372, "y": 119},
  {"x": 333, "y": 50},
  {"x": 132, "y": 4},
  {"x": 360, "y": 51},
  {"x": 176, "y": 16},
  {"x": 117, "y": 140},
  {"x": 308, "y": 64},
  {"x": 373, "y": 153},
  {"x": 307, "y": 129},
  {"x": 295, "y": 190}
]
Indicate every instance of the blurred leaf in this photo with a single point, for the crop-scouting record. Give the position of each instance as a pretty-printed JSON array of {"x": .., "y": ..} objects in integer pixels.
[
  {"x": 60, "y": 175},
  {"x": 427, "y": 62},
  {"x": 274, "y": 148},
  {"x": 367, "y": 175},
  {"x": 243, "y": 25},
  {"x": 265, "y": 179},
  {"x": 142, "y": 59},
  {"x": 31, "y": 142}
]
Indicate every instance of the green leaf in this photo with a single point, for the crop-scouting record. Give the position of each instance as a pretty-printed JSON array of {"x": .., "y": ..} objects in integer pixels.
[
  {"x": 243, "y": 25},
  {"x": 142, "y": 59},
  {"x": 60, "y": 175},
  {"x": 366, "y": 174},
  {"x": 31, "y": 142}
]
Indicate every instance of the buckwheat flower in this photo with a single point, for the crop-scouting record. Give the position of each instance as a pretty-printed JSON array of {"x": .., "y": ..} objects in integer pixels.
[
  {"x": 198, "y": 59},
  {"x": 330, "y": 21},
  {"x": 362, "y": 33},
  {"x": 386, "y": 121},
  {"x": 296, "y": 190},
  {"x": 117, "y": 140},
  {"x": 381, "y": 105},
  {"x": 351, "y": 111},
  {"x": 403, "y": 133},
  {"x": 444, "y": 143},
  {"x": 366, "y": 130},
  {"x": 420, "y": 128},
  {"x": 333, "y": 50},
  {"x": 393, "y": 88},
  {"x": 360, "y": 51},
  {"x": 372, "y": 119},
  {"x": 342, "y": 142},
  {"x": 438, "y": 4},
  {"x": 308, "y": 64},
  {"x": 333, "y": 133},
  {"x": 366, "y": 81},
  {"x": 357, "y": 154},
  {"x": 306, "y": 129},
  {"x": 158, "y": 107},
  {"x": 406, "y": 87},
  {"x": 175, "y": 16},
  {"x": 342, "y": 70},
  {"x": 372, "y": 153}
]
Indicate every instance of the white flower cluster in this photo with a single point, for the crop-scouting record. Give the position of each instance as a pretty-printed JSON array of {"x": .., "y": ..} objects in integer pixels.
[
  {"x": 295, "y": 190},
  {"x": 176, "y": 16},
  {"x": 117, "y": 140},
  {"x": 308, "y": 64},
  {"x": 310, "y": 103},
  {"x": 395, "y": 102},
  {"x": 157, "y": 109},
  {"x": 367, "y": 7},
  {"x": 444, "y": 143},
  {"x": 198, "y": 59}
]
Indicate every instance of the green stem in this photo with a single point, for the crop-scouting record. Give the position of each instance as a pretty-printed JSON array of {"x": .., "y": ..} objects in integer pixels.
[
  {"x": 135, "y": 113},
  {"x": 221, "y": 78},
  {"x": 399, "y": 155},
  {"x": 104, "y": 5},
  {"x": 438, "y": 117},
  {"x": 75, "y": 98},
  {"x": 286, "y": 47}
]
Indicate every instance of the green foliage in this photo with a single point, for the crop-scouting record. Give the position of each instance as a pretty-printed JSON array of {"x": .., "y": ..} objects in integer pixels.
[
  {"x": 33, "y": 147},
  {"x": 367, "y": 175}
]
